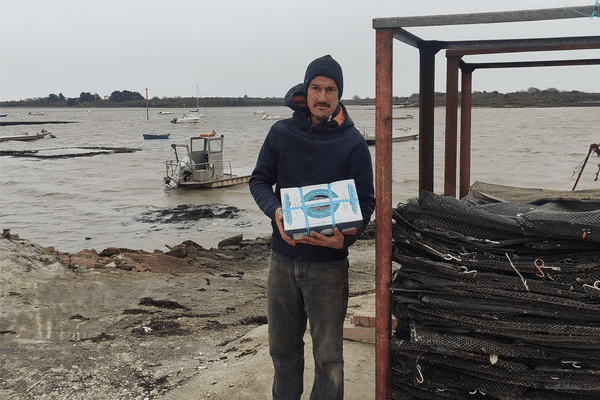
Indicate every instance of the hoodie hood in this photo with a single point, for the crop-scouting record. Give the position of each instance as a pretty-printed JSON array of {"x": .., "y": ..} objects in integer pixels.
[{"x": 296, "y": 99}]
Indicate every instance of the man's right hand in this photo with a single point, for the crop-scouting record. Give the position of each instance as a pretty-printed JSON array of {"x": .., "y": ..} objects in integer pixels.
[{"x": 279, "y": 222}]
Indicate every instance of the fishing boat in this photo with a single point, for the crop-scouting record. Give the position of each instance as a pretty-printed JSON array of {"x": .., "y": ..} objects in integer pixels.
[
  {"x": 26, "y": 136},
  {"x": 150, "y": 136},
  {"x": 395, "y": 139},
  {"x": 200, "y": 164}
]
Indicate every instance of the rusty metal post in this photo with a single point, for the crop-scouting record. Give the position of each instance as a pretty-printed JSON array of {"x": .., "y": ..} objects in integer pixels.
[
  {"x": 452, "y": 64},
  {"x": 383, "y": 189},
  {"x": 426, "y": 112},
  {"x": 593, "y": 147},
  {"x": 465, "y": 131}
]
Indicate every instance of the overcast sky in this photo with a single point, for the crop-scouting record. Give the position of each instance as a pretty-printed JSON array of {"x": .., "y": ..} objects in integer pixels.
[{"x": 256, "y": 48}]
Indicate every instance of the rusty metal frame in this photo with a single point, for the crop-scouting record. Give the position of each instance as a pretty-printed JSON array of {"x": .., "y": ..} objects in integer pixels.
[
  {"x": 454, "y": 63},
  {"x": 387, "y": 29}
]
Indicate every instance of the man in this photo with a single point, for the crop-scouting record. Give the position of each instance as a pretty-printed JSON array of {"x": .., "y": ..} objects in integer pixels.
[{"x": 308, "y": 278}]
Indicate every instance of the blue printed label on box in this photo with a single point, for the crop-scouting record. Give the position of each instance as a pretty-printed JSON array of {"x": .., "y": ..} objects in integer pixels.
[{"x": 320, "y": 208}]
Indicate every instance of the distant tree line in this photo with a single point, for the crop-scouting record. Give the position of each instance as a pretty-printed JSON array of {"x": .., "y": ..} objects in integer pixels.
[
  {"x": 90, "y": 100},
  {"x": 532, "y": 97}
]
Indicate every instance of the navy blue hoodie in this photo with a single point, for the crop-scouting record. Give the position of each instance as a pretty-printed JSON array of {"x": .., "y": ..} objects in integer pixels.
[{"x": 296, "y": 154}]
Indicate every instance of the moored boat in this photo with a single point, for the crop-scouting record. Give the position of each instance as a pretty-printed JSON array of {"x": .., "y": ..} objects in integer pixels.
[
  {"x": 196, "y": 111},
  {"x": 200, "y": 164},
  {"x": 25, "y": 137},
  {"x": 271, "y": 117},
  {"x": 149, "y": 136},
  {"x": 395, "y": 139},
  {"x": 185, "y": 120}
]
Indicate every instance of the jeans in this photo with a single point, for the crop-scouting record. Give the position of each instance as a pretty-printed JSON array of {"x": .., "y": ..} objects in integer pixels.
[{"x": 297, "y": 290}]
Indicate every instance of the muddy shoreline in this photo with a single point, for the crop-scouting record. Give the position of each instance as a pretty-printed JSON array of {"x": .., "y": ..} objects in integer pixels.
[{"x": 129, "y": 324}]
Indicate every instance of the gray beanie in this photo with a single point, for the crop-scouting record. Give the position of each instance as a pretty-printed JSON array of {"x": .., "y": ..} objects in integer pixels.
[{"x": 325, "y": 66}]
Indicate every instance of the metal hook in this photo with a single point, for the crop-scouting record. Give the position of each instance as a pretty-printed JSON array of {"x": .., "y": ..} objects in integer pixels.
[
  {"x": 539, "y": 264},
  {"x": 477, "y": 390},
  {"x": 595, "y": 286},
  {"x": 420, "y": 374},
  {"x": 449, "y": 257},
  {"x": 574, "y": 364},
  {"x": 465, "y": 270}
]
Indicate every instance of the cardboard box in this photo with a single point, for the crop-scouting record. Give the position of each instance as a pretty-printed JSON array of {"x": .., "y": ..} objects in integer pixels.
[{"x": 320, "y": 208}]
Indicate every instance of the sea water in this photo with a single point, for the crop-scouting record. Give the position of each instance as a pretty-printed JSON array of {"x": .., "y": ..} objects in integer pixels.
[{"x": 96, "y": 202}]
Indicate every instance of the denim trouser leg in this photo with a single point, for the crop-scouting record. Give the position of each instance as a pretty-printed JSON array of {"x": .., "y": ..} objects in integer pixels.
[{"x": 297, "y": 290}]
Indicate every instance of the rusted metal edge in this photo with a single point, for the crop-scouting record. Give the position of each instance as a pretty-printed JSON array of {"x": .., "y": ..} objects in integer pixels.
[{"x": 484, "y": 18}]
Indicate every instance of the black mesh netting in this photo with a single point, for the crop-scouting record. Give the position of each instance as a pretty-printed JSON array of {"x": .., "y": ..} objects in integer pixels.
[{"x": 497, "y": 299}]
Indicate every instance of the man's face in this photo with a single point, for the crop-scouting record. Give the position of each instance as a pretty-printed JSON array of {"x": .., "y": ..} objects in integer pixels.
[{"x": 322, "y": 98}]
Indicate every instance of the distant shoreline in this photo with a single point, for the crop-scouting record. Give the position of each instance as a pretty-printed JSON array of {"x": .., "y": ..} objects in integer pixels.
[{"x": 524, "y": 99}]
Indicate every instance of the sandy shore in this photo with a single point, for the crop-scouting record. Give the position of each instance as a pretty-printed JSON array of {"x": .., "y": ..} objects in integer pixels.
[{"x": 127, "y": 324}]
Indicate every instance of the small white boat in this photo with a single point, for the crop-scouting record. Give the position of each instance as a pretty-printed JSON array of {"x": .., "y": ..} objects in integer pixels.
[
  {"x": 185, "y": 120},
  {"x": 200, "y": 164},
  {"x": 196, "y": 112},
  {"x": 271, "y": 117}
]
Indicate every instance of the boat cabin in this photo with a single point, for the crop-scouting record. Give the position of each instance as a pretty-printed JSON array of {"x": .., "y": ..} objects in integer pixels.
[{"x": 206, "y": 154}]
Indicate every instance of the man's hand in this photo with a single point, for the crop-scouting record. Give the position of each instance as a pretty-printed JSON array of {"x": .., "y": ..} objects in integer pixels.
[
  {"x": 335, "y": 242},
  {"x": 315, "y": 239},
  {"x": 279, "y": 222}
]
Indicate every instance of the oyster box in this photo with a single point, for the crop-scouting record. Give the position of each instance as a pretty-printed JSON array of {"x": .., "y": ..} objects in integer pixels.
[{"x": 320, "y": 208}]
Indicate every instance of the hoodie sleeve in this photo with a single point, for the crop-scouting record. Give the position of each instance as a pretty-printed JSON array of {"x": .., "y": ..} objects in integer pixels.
[
  {"x": 362, "y": 172},
  {"x": 264, "y": 176}
]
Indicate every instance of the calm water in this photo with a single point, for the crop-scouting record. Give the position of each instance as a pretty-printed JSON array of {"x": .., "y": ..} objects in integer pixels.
[{"x": 95, "y": 202}]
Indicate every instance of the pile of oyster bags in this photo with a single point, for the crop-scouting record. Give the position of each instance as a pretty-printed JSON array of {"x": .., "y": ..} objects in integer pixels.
[{"x": 497, "y": 296}]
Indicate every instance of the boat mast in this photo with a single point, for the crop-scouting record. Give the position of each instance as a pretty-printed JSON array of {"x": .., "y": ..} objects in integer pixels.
[
  {"x": 197, "y": 101},
  {"x": 147, "y": 115}
]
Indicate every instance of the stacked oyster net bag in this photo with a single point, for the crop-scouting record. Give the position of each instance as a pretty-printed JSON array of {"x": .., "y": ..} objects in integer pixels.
[{"x": 497, "y": 296}]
